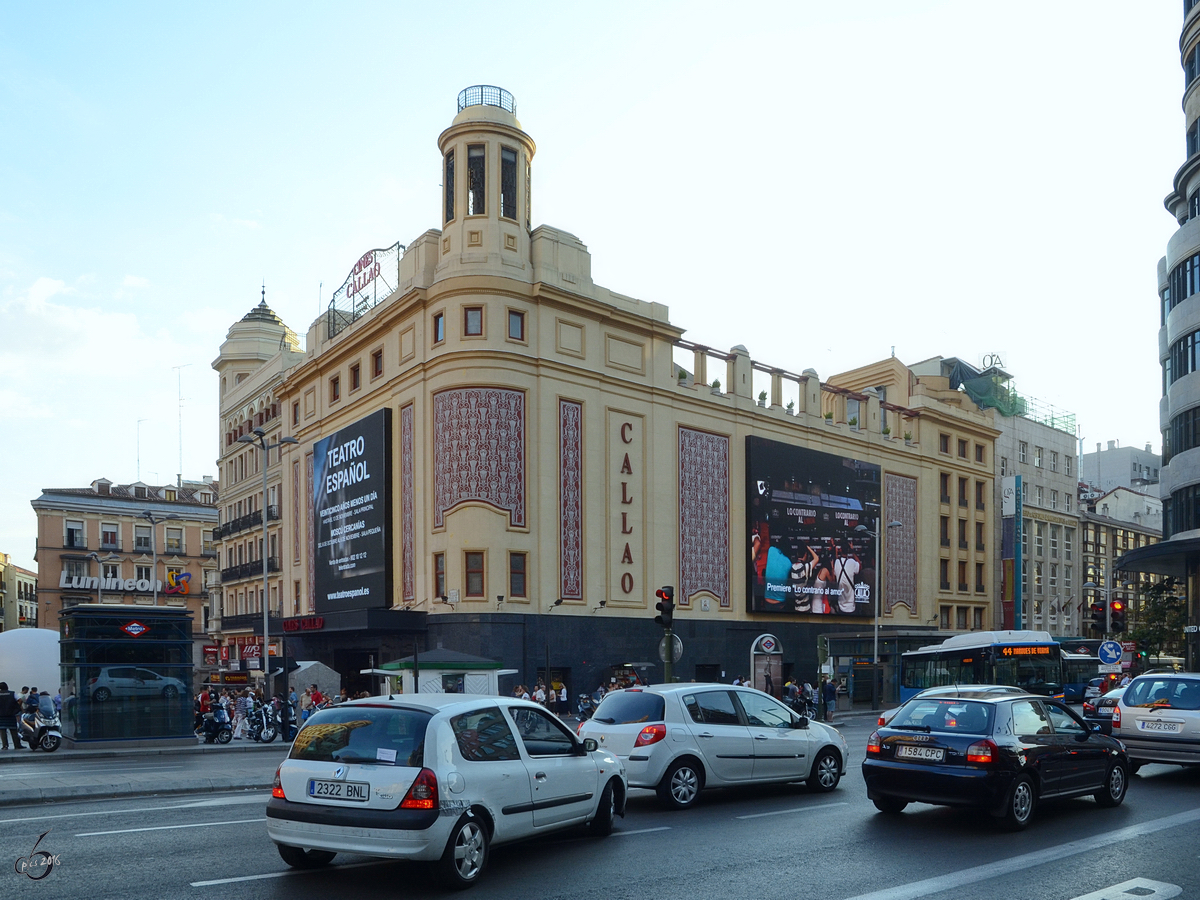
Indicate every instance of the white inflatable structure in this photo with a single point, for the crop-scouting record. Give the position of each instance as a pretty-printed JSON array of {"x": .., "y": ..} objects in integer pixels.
[{"x": 29, "y": 658}]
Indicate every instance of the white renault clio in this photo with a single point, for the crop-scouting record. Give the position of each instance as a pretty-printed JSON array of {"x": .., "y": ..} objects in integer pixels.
[
  {"x": 681, "y": 738},
  {"x": 437, "y": 777}
]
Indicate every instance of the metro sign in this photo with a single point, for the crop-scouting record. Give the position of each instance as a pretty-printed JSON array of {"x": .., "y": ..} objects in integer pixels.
[{"x": 134, "y": 629}]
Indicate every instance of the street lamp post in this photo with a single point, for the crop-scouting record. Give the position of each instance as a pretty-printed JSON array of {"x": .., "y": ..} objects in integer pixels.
[
  {"x": 112, "y": 557},
  {"x": 268, "y": 680},
  {"x": 878, "y": 535},
  {"x": 154, "y": 520}
]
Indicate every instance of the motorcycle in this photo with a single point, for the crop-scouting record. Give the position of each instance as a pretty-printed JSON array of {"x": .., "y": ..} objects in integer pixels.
[
  {"x": 216, "y": 727},
  {"x": 39, "y": 729},
  {"x": 586, "y": 706}
]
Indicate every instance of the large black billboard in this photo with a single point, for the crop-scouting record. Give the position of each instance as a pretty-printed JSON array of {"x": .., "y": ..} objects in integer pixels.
[
  {"x": 802, "y": 508},
  {"x": 352, "y": 506}
]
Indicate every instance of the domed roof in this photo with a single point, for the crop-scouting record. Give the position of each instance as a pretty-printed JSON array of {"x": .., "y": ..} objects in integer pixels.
[{"x": 263, "y": 313}]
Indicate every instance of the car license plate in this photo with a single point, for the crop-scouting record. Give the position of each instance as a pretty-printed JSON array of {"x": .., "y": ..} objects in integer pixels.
[
  {"x": 339, "y": 790},
  {"x": 1159, "y": 725},
  {"x": 928, "y": 754}
]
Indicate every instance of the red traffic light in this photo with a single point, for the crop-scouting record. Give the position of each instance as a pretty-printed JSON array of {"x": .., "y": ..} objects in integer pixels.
[{"x": 1117, "y": 606}]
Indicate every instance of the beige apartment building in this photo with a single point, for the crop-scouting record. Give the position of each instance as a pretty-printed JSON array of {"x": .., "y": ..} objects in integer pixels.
[
  {"x": 18, "y": 596},
  {"x": 499, "y": 456},
  {"x": 102, "y": 543}
]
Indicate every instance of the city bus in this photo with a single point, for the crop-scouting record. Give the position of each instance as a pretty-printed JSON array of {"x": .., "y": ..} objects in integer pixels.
[
  {"x": 1028, "y": 659},
  {"x": 1078, "y": 670}
]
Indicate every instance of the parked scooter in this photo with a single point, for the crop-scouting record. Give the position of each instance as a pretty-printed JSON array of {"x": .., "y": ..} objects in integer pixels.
[
  {"x": 586, "y": 706},
  {"x": 40, "y": 729},
  {"x": 260, "y": 725},
  {"x": 216, "y": 727}
]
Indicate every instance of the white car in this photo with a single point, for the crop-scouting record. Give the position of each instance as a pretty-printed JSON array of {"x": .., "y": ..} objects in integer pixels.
[
  {"x": 131, "y": 681},
  {"x": 439, "y": 778},
  {"x": 680, "y": 738}
]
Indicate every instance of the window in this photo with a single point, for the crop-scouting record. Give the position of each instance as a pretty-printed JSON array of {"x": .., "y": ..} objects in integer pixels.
[
  {"x": 1025, "y": 538},
  {"x": 173, "y": 573},
  {"x": 516, "y": 574},
  {"x": 508, "y": 183},
  {"x": 141, "y": 538},
  {"x": 544, "y": 735},
  {"x": 448, "y": 182},
  {"x": 1022, "y": 452},
  {"x": 763, "y": 711},
  {"x": 1053, "y": 578},
  {"x": 712, "y": 708},
  {"x": 1054, "y": 533},
  {"x": 1039, "y": 538},
  {"x": 962, "y": 449},
  {"x": 979, "y": 544},
  {"x": 75, "y": 535},
  {"x": 1004, "y": 465},
  {"x": 962, "y": 534},
  {"x": 75, "y": 568},
  {"x": 962, "y": 576},
  {"x": 355, "y": 377},
  {"x": 473, "y": 321},
  {"x": 476, "y": 181},
  {"x": 1053, "y": 460},
  {"x": 335, "y": 389},
  {"x": 944, "y": 443},
  {"x": 1024, "y": 492},
  {"x": 174, "y": 540},
  {"x": 977, "y": 612},
  {"x": 1037, "y": 577},
  {"x": 142, "y": 573},
  {"x": 439, "y": 574},
  {"x": 484, "y": 736},
  {"x": 1054, "y": 499},
  {"x": 945, "y": 487},
  {"x": 370, "y": 735},
  {"x": 474, "y": 560},
  {"x": 376, "y": 363},
  {"x": 979, "y": 453},
  {"x": 944, "y": 618},
  {"x": 979, "y": 585},
  {"x": 944, "y": 574},
  {"x": 439, "y": 328},
  {"x": 516, "y": 325},
  {"x": 1037, "y": 457},
  {"x": 1067, "y": 464},
  {"x": 1029, "y": 718},
  {"x": 1041, "y": 496},
  {"x": 960, "y": 618},
  {"x": 111, "y": 570},
  {"x": 962, "y": 491},
  {"x": 980, "y": 489},
  {"x": 108, "y": 537},
  {"x": 945, "y": 531}
]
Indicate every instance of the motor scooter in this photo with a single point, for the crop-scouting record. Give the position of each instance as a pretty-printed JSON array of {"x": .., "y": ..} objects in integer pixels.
[
  {"x": 40, "y": 729},
  {"x": 586, "y": 706},
  {"x": 216, "y": 727}
]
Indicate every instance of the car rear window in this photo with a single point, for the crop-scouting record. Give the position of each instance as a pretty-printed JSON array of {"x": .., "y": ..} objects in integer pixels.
[
  {"x": 949, "y": 714},
  {"x": 1174, "y": 693},
  {"x": 364, "y": 734},
  {"x": 629, "y": 708}
]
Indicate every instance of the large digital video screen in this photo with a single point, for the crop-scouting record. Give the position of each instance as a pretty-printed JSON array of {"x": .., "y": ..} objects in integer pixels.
[
  {"x": 803, "y": 506},
  {"x": 352, "y": 505}
]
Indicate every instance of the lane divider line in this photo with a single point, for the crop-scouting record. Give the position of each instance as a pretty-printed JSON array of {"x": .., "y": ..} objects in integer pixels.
[
  {"x": 238, "y": 798},
  {"x": 798, "y": 809},
  {"x": 170, "y": 827},
  {"x": 288, "y": 872},
  {"x": 642, "y": 831}
]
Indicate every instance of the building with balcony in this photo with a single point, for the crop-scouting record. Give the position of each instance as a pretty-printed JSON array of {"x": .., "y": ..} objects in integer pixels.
[
  {"x": 101, "y": 543},
  {"x": 18, "y": 596}
]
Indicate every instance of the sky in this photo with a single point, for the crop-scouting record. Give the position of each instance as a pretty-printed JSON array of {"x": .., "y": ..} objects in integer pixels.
[{"x": 822, "y": 182}]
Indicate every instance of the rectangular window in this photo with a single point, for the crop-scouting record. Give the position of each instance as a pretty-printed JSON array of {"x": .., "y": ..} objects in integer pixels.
[
  {"x": 439, "y": 574},
  {"x": 439, "y": 328},
  {"x": 376, "y": 363},
  {"x": 1025, "y": 577},
  {"x": 962, "y": 491},
  {"x": 1053, "y": 460},
  {"x": 1068, "y": 502},
  {"x": 448, "y": 182},
  {"x": 1054, "y": 534},
  {"x": 476, "y": 182},
  {"x": 944, "y": 443},
  {"x": 944, "y": 483},
  {"x": 980, "y": 495},
  {"x": 474, "y": 568},
  {"x": 977, "y": 612},
  {"x": 960, "y": 618},
  {"x": 112, "y": 570},
  {"x": 108, "y": 537},
  {"x": 335, "y": 389},
  {"x": 1004, "y": 465},
  {"x": 1067, "y": 577},
  {"x": 75, "y": 536},
  {"x": 473, "y": 321},
  {"x": 296, "y": 413},
  {"x": 1067, "y": 464},
  {"x": 174, "y": 540},
  {"x": 508, "y": 183},
  {"x": 1054, "y": 499},
  {"x": 516, "y": 574},
  {"x": 979, "y": 544},
  {"x": 1022, "y": 452},
  {"x": 944, "y": 618},
  {"x": 1041, "y": 496},
  {"x": 141, "y": 537},
  {"x": 143, "y": 574},
  {"x": 75, "y": 568},
  {"x": 962, "y": 576},
  {"x": 979, "y": 584},
  {"x": 516, "y": 325},
  {"x": 1039, "y": 538},
  {"x": 1037, "y": 577},
  {"x": 962, "y": 535},
  {"x": 1053, "y": 577},
  {"x": 1037, "y": 457},
  {"x": 944, "y": 574},
  {"x": 1025, "y": 538},
  {"x": 979, "y": 453},
  {"x": 945, "y": 531},
  {"x": 962, "y": 449},
  {"x": 355, "y": 377}
]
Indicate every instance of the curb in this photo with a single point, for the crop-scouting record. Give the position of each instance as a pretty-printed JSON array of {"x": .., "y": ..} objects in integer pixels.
[
  {"x": 32, "y": 796},
  {"x": 25, "y": 756}
]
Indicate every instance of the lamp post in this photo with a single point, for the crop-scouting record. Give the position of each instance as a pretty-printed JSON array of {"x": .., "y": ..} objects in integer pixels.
[
  {"x": 112, "y": 557},
  {"x": 268, "y": 681},
  {"x": 154, "y": 520},
  {"x": 877, "y": 534}
]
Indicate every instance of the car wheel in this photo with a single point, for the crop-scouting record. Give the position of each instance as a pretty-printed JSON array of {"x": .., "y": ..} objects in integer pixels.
[
  {"x": 826, "y": 772},
  {"x": 50, "y": 742},
  {"x": 681, "y": 785},
  {"x": 299, "y": 858},
  {"x": 1021, "y": 802},
  {"x": 1114, "y": 788},
  {"x": 602, "y": 825},
  {"x": 466, "y": 853},
  {"x": 101, "y": 694},
  {"x": 224, "y": 737},
  {"x": 170, "y": 692},
  {"x": 889, "y": 805}
]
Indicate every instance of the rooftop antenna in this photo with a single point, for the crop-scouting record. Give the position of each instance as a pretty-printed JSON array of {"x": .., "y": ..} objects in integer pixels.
[
  {"x": 139, "y": 447},
  {"x": 320, "y": 289},
  {"x": 179, "y": 393}
]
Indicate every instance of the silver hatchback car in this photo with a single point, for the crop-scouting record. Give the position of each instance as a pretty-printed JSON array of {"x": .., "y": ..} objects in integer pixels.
[
  {"x": 1158, "y": 719},
  {"x": 439, "y": 778}
]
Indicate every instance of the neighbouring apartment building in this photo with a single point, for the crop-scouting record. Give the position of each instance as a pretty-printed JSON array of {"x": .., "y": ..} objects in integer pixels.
[
  {"x": 1114, "y": 524},
  {"x": 499, "y": 456},
  {"x": 1121, "y": 467},
  {"x": 18, "y": 596}
]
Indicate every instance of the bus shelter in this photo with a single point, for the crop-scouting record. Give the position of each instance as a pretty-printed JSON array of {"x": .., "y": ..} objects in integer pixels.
[{"x": 851, "y": 657}]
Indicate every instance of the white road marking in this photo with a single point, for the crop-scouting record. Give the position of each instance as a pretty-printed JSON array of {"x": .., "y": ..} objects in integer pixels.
[
  {"x": 955, "y": 880},
  {"x": 798, "y": 809},
  {"x": 1135, "y": 887},
  {"x": 170, "y": 827},
  {"x": 254, "y": 798},
  {"x": 642, "y": 830},
  {"x": 33, "y": 773},
  {"x": 287, "y": 872}
]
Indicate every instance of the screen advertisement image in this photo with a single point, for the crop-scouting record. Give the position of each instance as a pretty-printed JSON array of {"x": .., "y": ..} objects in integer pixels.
[
  {"x": 352, "y": 500},
  {"x": 803, "y": 506}
]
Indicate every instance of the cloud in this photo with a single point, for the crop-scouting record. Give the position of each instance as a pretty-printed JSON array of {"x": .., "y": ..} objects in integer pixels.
[{"x": 135, "y": 281}]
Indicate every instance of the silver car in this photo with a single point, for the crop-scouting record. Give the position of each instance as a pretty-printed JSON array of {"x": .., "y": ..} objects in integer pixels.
[
  {"x": 439, "y": 778},
  {"x": 680, "y": 738},
  {"x": 1158, "y": 719}
]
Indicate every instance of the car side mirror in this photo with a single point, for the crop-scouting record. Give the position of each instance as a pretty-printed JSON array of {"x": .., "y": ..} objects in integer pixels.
[
  {"x": 801, "y": 722},
  {"x": 590, "y": 745},
  {"x": 1094, "y": 728}
]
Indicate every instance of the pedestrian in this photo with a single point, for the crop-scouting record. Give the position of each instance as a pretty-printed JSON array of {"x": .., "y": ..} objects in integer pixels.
[
  {"x": 8, "y": 718},
  {"x": 562, "y": 700},
  {"x": 58, "y": 702},
  {"x": 317, "y": 697},
  {"x": 829, "y": 695},
  {"x": 539, "y": 694},
  {"x": 737, "y": 681},
  {"x": 23, "y": 696},
  {"x": 768, "y": 684},
  {"x": 241, "y": 709}
]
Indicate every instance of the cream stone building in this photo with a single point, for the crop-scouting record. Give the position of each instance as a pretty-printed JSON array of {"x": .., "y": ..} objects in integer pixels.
[
  {"x": 525, "y": 456},
  {"x": 18, "y": 596}
]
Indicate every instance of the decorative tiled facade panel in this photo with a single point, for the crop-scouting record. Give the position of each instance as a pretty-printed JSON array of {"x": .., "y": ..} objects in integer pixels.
[
  {"x": 570, "y": 499},
  {"x": 406, "y": 502},
  {"x": 311, "y": 532},
  {"x": 479, "y": 451},
  {"x": 703, "y": 515},
  {"x": 900, "y": 544}
]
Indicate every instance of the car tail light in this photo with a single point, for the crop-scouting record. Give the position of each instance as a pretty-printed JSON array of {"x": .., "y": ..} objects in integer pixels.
[
  {"x": 277, "y": 787},
  {"x": 1088, "y": 708},
  {"x": 1116, "y": 720},
  {"x": 424, "y": 792},
  {"x": 873, "y": 742},
  {"x": 651, "y": 734},
  {"x": 982, "y": 752},
  {"x": 579, "y": 727},
  {"x": 881, "y": 723}
]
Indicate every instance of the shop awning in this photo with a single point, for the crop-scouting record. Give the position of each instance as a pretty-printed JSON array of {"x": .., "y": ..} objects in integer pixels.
[{"x": 1163, "y": 558}]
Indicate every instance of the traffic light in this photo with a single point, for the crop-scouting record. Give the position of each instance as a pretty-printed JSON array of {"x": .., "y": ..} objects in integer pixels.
[
  {"x": 1098, "y": 617},
  {"x": 1118, "y": 615},
  {"x": 665, "y": 605}
]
